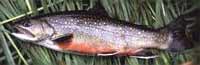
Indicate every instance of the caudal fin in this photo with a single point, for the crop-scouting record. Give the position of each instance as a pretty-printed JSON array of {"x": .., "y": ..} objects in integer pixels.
[{"x": 179, "y": 30}]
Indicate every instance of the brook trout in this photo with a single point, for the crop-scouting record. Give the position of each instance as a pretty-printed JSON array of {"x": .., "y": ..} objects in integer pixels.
[{"x": 86, "y": 33}]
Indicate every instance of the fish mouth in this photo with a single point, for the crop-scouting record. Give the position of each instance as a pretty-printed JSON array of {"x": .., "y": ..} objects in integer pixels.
[
  {"x": 22, "y": 30},
  {"x": 23, "y": 34}
]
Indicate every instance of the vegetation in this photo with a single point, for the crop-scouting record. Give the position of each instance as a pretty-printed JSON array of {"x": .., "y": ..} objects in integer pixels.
[{"x": 153, "y": 13}]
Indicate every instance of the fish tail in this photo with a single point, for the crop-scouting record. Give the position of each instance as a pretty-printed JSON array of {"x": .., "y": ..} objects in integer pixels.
[
  {"x": 179, "y": 30},
  {"x": 182, "y": 21}
]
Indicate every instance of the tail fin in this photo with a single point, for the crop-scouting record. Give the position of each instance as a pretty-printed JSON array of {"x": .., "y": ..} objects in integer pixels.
[
  {"x": 98, "y": 8},
  {"x": 179, "y": 28},
  {"x": 185, "y": 19}
]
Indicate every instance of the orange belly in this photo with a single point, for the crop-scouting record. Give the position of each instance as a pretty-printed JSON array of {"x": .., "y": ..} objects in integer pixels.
[
  {"x": 92, "y": 48},
  {"x": 85, "y": 48}
]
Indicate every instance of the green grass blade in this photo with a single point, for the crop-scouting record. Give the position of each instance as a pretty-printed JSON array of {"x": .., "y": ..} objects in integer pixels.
[
  {"x": 16, "y": 49},
  {"x": 7, "y": 52}
]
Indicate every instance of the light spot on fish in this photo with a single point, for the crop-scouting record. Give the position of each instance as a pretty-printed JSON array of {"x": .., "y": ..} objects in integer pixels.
[
  {"x": 71, "y": 20},
  {"x": 95, "y": 23},
  {"x": 139, "y": 33},
  {"x": 104, "y": 23},
  {"x": 65, "y": 22},
  {"x": 56, "y": 20},
  {"x": 85, "y": 22}
]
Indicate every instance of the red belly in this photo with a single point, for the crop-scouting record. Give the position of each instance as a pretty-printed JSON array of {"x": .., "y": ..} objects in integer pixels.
[
  {"x": 85, "y": 48},
  {"x": 93, "y": 48}
]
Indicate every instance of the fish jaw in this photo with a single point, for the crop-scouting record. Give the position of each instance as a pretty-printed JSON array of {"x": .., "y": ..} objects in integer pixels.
[{"x": 25, "y": 37}]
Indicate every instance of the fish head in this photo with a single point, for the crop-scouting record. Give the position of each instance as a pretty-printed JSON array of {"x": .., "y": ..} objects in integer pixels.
[{"x": 33, "y": 30}]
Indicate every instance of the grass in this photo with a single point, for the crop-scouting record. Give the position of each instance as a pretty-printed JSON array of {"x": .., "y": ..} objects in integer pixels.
[{"x": 153, "y": 13}]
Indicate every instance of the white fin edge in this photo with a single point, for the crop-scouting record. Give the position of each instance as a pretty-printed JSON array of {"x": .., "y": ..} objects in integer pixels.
[{"x": 145, "y": 57}]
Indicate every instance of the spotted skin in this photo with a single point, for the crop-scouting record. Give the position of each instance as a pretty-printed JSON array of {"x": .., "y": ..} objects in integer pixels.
[{"x": 104, "y": 29}]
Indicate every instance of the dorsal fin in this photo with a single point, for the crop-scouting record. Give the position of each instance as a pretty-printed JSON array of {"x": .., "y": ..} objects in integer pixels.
[{"x": 98, "y": 9}]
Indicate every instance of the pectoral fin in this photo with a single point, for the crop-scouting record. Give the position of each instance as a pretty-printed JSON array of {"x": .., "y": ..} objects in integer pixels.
[{"x": 63, "y": 38}]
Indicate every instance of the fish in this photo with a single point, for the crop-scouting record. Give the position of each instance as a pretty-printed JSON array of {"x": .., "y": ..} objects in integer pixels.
[{"x": 86, "y": 33}]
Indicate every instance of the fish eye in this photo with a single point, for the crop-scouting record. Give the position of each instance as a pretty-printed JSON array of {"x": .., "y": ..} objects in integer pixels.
[{"x": 27, "y": 24}]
